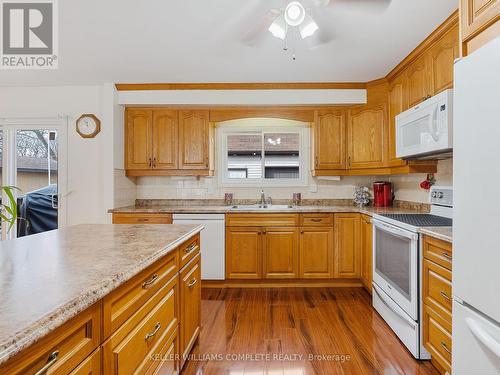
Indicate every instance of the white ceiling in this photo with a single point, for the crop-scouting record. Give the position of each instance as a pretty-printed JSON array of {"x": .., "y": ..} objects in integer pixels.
[{"x": 200, "y": 41}]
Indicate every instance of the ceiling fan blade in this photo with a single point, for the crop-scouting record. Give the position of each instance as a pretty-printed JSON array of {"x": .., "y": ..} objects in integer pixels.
[
  {"x": 256, "y": 34},
  {"x": 373, "y": 6},
  {"x": 326, "y": 33}
]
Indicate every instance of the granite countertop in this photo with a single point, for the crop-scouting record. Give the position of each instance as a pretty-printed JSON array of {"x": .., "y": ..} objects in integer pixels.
[
  {"x": 443, "y": 233},
  {"x": 48, "y": 278}
]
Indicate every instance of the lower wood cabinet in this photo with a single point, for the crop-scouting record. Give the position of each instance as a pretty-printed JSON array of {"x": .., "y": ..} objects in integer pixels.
[
  {"x": 366, "y": 252},
  {"x": 280, "y": 253},
  {"x": 243, "y": 253},
  {"x": 347, "y": 246},
  {"x": 316, "y": 253},
  {"x": 190, "y": 285},
  {"x": 90, "y": 366},
  {"x": 437, "y": 298},
  {"x": 139, "y": 218}
]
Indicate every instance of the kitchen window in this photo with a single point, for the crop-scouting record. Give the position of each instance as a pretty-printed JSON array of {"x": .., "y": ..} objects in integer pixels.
[{"x": 263, "y": 155}]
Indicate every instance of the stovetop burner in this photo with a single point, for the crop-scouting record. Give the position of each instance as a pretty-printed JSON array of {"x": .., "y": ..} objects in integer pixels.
[{"x": 421, "y": 220}]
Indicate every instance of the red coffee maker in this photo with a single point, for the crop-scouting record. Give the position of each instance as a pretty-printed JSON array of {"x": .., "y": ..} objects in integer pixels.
[{"x": 382, "y": 194}]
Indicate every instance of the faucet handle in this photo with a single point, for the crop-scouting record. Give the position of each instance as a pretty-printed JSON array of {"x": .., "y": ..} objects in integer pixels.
[{"x": 269, "y": 200}]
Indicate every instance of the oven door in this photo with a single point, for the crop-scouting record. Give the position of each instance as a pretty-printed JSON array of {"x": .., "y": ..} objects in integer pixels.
[{"x": 395, "y": 265}]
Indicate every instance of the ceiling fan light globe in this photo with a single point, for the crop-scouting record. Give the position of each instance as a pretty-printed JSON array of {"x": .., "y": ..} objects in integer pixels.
[
  {"x": 294, "y": 13},
  {"x": 308, "y": 28},
  {"x": 278, "y": 28}
]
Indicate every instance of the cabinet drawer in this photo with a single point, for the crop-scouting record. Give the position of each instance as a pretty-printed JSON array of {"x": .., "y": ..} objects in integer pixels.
[
  {"x": 120, "y": 304},
  {"x": 62, "y": 350},
  {"x": 438, "y": 251},
  {"x": 130, "y": 348},
  {"x": 316, "y": 220},
  {"x": 437, "y": 337},
  {"x": 190, "y": 293},
  {"x": 123, "y": 218},
  {"x": 90, "y": 365},
  {"x": 189, "y": 250},
  {"x": 437, "y": 288},
  {"x": 262, "y": 220}
]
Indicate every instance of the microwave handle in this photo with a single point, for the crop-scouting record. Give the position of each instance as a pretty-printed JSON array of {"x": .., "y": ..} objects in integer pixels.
[{"x": 432, "y": 124}]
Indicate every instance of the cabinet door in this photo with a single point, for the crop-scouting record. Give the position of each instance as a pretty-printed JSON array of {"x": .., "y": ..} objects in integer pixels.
[
  {"x": 398, "y": 102},
  {"x": 190, "y": 318},
  {"x": 417, "y": 75},
  {"x": 367, "y": 133},
  {"x": 243, "y": 253},
  {"x": 194, "y": 135},
  {"x": 347, "y": 246},
  {"x": 477, "y": 15},
  {"x": 316, "y": 253},
  {"x": 165, "y": 137},
  {"x": 366, "y": 251},
  {"x": 138, "y": 135},
  {"x": 442, "y": 59},
  {"x": 329, "y": 140},
  {"x": 281, "y": 253}
]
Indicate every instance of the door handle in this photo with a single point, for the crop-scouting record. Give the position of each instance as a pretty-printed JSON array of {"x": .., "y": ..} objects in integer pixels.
[
  {"x": 51, "y": 360},
  {"x": 154, "y": 162},
  {"x": 192, "y": 283},
  {"x": 150, "y": 281},
  {"x": 489, "y": 341},
  {"x": 150, "y": 163},
  {"x": 155, "y": 331}
]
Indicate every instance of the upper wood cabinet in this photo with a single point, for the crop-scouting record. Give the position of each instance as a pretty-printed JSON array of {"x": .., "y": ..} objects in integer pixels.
[
  {"x": 165, "y": 133},
  {"x": 194, "y": 149},
  {"x": 417, "y": 75},
  {"x": 442, "y": 57},
  {"x": 480, "y": 19},
  {"x": 366, "y": 136},
  {"x": 329, "y": 139},
  {"x": 138, "y": 139},
  {"x": 168, "y": 142},
  {"x": 398, "y": 102},
  {"x": 347, "y": 246}
]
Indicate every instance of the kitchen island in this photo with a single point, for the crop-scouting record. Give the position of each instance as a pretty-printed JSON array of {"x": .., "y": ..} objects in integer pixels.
[{"x": 72, "y": 296}]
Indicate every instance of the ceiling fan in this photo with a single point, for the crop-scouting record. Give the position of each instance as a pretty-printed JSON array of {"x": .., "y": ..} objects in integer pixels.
[{"x": 308, "y": 20}]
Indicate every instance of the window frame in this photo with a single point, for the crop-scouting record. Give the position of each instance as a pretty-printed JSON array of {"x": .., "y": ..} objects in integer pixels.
[{"x": 303, "y": 129}]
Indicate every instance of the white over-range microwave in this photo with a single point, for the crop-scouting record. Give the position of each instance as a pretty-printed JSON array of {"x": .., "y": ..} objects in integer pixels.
[{"x": 426, "y": 130}]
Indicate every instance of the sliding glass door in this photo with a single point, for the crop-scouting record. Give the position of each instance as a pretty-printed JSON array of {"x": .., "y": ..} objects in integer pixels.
[{"x": 33, "y": 160}]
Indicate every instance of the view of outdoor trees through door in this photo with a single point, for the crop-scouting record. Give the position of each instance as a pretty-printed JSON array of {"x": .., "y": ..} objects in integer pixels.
[{"x": 36, "y": 155}]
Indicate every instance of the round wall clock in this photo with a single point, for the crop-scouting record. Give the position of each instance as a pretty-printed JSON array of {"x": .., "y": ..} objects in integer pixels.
[{"x": 88, "y": 126}]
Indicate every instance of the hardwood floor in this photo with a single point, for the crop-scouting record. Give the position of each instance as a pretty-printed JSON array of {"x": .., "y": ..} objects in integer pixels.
[{"x": 295, "y": 323}]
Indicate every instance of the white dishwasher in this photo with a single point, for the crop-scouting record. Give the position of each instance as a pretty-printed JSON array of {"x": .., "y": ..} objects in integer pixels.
[{"x": 212, "y": 242}]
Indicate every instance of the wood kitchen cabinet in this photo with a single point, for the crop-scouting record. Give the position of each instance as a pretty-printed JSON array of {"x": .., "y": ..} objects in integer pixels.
[
  {"x": 280, "y": 253},
  {"x": 367, "y": 136},
  {"x": 398, "y": 102},
  {"x": 366, "y": 240},
  {"x": 141, "y": 218},
  {"x": 480, "y": 23},
  {"x": 243, "y": 253},
  {"x": 329, "y": 136},
  {"x": 347, "y": 246},
  {"x": 316, "y": 252},
  {"x": 190, "y": 297},
  {"x": 194, "y": 139},
  {"x": 168, "y": 142},
  {"x": 417, "y": 76},
  {"x": 442, "y": 57}
]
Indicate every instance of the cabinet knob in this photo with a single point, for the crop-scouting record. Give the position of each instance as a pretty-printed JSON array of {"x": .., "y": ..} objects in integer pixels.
[{"x": 150, "y": 163}]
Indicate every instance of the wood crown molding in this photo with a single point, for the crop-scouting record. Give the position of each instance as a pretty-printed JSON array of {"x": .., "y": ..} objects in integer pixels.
[
  {"x": 241, "y": 86},
  {"x": 447, "y": 25}
]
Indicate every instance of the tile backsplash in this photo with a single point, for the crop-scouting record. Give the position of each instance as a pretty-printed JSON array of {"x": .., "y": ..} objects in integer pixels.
[{"x": 406, "y": 187}]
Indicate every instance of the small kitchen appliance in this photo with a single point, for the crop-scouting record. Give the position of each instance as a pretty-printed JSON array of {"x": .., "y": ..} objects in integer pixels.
[
  {"x": 397, "y": 261},
  {"x": 382, "y": 194}
]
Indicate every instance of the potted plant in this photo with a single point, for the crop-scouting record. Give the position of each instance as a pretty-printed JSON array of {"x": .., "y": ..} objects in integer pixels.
[{"x": 8, "y": 212}]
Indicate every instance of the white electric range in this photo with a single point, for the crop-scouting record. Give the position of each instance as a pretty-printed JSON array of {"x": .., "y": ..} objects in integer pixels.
[{"x": 397, "y": 264}]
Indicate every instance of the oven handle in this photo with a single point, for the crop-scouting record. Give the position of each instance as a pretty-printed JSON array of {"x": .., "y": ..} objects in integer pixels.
[
  {"x": 410, "y": 322},
  {"x": 395, "y": 230}
]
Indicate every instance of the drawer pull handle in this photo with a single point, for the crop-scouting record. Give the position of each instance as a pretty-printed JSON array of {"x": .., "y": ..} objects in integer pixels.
[
  {"x": 192, "y": 283},
  {"x": 50, "y": 362},
  {"x": 143, "y": 219},
  {"x": 317, "y": 220},
  {"x": 447, "y": 256},
  {"x": 443, "y": 345},
  {"x": 446, "y": 296},
  {"x": 155, "y": 331},
  {"x": 148, "y": 283},
  {"x": 191, "y": 248}
]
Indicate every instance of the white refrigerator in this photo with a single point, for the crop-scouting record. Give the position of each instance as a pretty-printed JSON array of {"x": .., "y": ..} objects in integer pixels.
[{"x": 476, "y": 222}]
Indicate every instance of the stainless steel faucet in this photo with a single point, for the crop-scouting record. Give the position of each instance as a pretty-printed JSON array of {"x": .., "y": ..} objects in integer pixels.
[{"x": 262, "y": 199}]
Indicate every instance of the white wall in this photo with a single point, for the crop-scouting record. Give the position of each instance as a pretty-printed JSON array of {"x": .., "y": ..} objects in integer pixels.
[{"x": 90, "y": 161}]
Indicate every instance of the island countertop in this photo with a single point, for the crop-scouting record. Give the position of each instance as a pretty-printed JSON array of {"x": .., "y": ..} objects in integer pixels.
[{"x": 48, "y": 278}]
